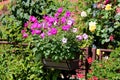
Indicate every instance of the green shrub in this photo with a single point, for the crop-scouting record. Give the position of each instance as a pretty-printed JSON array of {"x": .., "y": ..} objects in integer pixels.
[{"x": 19, "y": 64}]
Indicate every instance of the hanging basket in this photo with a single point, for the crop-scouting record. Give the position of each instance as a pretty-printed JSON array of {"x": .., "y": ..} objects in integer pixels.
[{"x": 62, "y": 65}]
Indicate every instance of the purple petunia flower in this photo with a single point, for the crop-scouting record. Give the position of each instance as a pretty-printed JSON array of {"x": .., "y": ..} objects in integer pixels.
[
  {"x": 23, "y": 31},
  {"x": 66, "y": 27},
  {"x": 33, "y": 19},
  {"x": 26, "y": 24},
  {"x": 85, "y": 36},
  {"x": 70, "y": 22},
  {"x": 67, "y": 14},
  {"x": 53, "y": 31},
  {"x": 34, "y": 25},
  {"x": 60, "y": 10},
  {"x": 42, "y": 35},
  {"x": 51, "y": 19},
  {"x": 49, "y": 24},
  {"x": 63, "y": 19},
  {"x": 37, "y": 31},
  {"x": 56, "y": 14},
  {"x": 32, "y": 32},
  {"x": 39, "y": 26},
  {"x": 25, "y": 35},
  {"x": 79, "y": 37}
]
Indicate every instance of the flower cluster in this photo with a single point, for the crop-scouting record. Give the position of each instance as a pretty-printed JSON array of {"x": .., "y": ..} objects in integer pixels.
[
  {"x": 102, "y": 19},
  {"x": 55, "y": 36}
]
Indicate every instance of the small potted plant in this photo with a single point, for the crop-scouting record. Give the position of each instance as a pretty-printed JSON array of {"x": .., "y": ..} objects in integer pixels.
[{"x": 56, "y": 39}]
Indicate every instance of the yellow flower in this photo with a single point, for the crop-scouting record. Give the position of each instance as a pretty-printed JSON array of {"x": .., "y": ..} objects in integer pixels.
[
  {"x": 108, "y": 7},
  {"x": 92, "y": 26},
  {"x": 98, "y": 52}
]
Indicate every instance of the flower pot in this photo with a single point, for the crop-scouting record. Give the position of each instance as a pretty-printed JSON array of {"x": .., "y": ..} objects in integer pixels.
[{"x": 62, "y": 65}]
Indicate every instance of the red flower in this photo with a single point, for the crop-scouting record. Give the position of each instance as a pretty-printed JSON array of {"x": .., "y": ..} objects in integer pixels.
[
  {"x": 106, "y": 2},
  {"x": 89, "y": 60},
  {"x": 118, "y": 10},
  {"x": 111, "y": 38},
  {"x": 95, "y": 78},
  {"x": 80, "y": 76}
]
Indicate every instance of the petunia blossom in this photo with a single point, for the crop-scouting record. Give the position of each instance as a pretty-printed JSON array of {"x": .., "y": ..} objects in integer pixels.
[
  {"x": 60, "y": 10},
  {"x": 26, "y": 24},
  {"x": 67, "y": 14},
  {"x": 64, "y": 40},
  {"x": 33, "y": 19},
  {"x": 65, "y": 28},
  {"x": 34, "y": 25},
  {"x": 85, "y": 36},
  {"x": 63, "y": 19},
  {"x": 37, "y": 31},
  {"x": 53, "y": 31},
  {"x": 74, "y": 30},
  {"x": 25, "y": 35},
  {"x": 42, "y": 35},
  {"x": 70, "y": 22},
  {"x": 79, "y": 37}
]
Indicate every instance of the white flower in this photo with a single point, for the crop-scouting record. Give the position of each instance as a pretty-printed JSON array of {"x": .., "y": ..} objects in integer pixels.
[
  {"x": 55, "y": 23},
  {"x": 83, "y": 14},
  {"x": 64, "y": 40},
  {"x": 74, "y": 30},
  {"x": 70, "y": 22}
]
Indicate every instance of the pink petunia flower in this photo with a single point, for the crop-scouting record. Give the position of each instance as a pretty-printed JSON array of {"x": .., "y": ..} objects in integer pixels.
[
  {"x": 79, "y": 37},
  {"x": 67, "y": 14},
  {"x": 33, "y": 19},
  {"x": 85, "y": 36},
  {"x": 65, "y": 28},
  {"x": 53, "y": 31},
  {"x": 23, "y": 31},
  {"x": 42, "y": 35},
  {"x": 37, "y": 31},
  {"x": 34, "y": 25},
  {"x": 60, "y": 10},
  {"x": 26, "y": 24},
  {"x": 25, "y": 35},
  {"x": 63, "y": 19}
]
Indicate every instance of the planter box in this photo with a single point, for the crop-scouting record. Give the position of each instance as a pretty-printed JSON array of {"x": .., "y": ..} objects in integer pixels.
[{"x": 63, "y": 65}]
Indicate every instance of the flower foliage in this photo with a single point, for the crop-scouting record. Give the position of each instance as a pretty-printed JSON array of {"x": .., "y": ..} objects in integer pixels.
[
  {"x": 55, "y": 36},
  {"x": 102, "y": 19}
]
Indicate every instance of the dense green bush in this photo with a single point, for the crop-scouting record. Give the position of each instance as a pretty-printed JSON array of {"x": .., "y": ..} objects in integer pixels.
[
  {"x": 22, "y": 9},
  {"x": 20, "y": 64}
]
